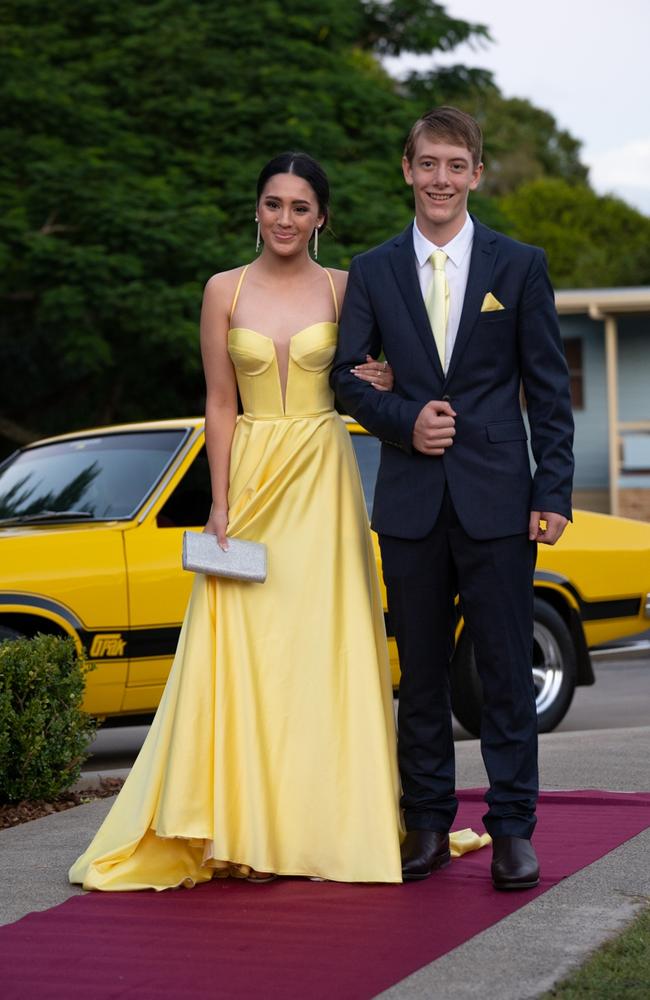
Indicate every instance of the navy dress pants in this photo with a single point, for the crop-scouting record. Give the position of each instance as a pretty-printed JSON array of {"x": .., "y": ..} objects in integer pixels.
[{"x": 494, "y": 579}]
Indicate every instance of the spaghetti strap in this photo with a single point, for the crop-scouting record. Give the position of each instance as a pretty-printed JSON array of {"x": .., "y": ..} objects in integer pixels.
[
  {"x": 336, "y": 302},
  {"x": 237, "y": 290}
]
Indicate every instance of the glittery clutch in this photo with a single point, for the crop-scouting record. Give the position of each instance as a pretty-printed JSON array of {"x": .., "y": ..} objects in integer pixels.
[{"x": 244, "y": 560}]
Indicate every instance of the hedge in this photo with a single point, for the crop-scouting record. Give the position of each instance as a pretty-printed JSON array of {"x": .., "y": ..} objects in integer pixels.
[{"x": 44, "y": 734}]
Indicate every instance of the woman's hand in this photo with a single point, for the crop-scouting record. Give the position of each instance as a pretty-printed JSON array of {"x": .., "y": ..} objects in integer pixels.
[
  {"x": 378, "y": 373},
  {"x": 217, "y": 524}
]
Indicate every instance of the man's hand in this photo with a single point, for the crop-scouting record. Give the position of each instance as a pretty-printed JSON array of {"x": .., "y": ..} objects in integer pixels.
[
  {"x": 555, "y": 525},
  {"x": 434, "y": 428}
]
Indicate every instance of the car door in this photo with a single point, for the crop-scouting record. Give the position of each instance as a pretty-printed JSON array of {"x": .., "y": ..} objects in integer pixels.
[{"x": 159, "y": 588}]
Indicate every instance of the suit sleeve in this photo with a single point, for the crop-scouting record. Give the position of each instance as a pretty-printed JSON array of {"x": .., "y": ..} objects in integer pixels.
[
  {"x": 546, "y": 386},
  {"x": 387, "y": 415}
]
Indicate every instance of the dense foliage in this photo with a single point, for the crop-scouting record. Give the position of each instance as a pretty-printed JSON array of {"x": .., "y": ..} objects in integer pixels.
[
  {"x": 130, "y": 139},
  {"x": 592, "y": 240},
  {"x": 43, "y": 732}
]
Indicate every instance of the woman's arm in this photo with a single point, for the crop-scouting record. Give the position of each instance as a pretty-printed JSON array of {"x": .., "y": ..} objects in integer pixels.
[{"x": 221, "y": 398}]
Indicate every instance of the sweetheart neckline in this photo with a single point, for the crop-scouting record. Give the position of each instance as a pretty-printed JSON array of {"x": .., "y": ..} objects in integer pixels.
[
  {"x": 276, "y": 344},
  {"x": 287, "y": 343}
]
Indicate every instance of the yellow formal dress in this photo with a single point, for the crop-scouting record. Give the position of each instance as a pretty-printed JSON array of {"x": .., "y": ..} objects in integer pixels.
[{"x": 274, "y": 743}]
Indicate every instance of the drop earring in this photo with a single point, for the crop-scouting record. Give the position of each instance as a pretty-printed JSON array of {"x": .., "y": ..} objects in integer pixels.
[
  {"x": 316, "y": 243},
  {"x": 259, "y": 237}
]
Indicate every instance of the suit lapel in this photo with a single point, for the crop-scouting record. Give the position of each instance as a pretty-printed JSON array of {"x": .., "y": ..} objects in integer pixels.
[
  {"x": 479, "y": 279},
  {"x": 403, "y": 263}
]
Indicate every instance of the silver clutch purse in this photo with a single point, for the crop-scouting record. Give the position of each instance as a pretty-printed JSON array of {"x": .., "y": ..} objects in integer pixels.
[{"x": 244, "y": 560}]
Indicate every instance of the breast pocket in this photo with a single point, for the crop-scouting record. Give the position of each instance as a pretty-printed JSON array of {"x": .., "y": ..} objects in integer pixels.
[
  {"x": 497, "y": 317},
  {"x": 494, "y": 341}
]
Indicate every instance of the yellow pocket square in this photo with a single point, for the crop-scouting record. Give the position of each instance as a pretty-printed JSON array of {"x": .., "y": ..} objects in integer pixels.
[{"x": 490, "y": 304}]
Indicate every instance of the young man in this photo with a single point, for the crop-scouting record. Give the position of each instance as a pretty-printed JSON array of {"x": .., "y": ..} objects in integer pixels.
[{"x": 465, "y": 316}]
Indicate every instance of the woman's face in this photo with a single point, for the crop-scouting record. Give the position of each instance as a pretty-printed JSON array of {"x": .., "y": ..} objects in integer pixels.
[{"x": 288, "y": 212}]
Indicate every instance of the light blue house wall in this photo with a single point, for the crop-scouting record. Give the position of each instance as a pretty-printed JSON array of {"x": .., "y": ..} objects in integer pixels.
[
  {"x": 592, "y": 469},
  {"x": 634, "y": 368},
  {"x": 634, "y": 399},
  {"x": 590, "y": 443}
]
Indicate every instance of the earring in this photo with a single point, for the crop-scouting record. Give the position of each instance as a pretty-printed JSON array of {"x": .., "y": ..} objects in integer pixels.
[
  {"x": 259, "y": 237},
  {"x": 316, "y": 243}
]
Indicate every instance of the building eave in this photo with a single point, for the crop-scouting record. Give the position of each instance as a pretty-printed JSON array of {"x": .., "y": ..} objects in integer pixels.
[{"x": 598, "y": 302}]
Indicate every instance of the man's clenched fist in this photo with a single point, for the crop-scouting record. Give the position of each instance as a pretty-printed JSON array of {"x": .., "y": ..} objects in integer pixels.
[{"x": 434, "y": 428}]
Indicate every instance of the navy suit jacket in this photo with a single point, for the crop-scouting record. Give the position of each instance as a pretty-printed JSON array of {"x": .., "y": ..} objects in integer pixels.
[{"x": 487, "y": 469}]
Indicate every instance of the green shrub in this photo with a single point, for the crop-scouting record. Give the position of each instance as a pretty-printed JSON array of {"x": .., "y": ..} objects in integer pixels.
[{"x": 43, "y": 732}]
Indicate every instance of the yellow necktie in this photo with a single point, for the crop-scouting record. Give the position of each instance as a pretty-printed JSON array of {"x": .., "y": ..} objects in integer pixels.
[{"x": 437, "y": 302}]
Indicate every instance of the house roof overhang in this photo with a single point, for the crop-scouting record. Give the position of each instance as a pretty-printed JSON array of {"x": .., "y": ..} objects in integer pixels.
[{"x": 599, "y": 302}]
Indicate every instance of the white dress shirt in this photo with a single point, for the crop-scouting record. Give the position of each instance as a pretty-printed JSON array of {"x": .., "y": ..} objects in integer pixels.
[{"x": 459, "y": 252}]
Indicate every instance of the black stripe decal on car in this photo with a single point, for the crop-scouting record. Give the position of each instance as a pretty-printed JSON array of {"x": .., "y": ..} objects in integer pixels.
[
  {"x": 45, "y": 603},
  {"x": 132, "y": 644},
  {"x": 593, "y": 611}
]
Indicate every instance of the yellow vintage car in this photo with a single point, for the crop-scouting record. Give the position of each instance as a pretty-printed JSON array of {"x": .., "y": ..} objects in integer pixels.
[{"x": 91, "y": 526}]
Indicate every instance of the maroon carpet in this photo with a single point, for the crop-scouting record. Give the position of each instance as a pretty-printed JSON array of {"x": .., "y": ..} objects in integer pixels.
[{"x": 295, "y": 938}]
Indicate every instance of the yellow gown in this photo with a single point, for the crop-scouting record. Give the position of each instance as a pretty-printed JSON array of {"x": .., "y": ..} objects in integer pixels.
[{"x": 274, "y": 743}]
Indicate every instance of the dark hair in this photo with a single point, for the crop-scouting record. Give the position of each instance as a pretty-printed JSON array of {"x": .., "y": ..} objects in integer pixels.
[
  {"x": 451, "y": 125},
  {"x": 303, "y": 166}
]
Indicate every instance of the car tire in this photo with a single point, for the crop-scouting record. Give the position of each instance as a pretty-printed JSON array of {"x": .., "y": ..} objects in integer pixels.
[{"x": 554, "y": 673}]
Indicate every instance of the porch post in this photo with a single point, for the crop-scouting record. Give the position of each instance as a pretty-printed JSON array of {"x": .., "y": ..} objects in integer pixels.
[{"x": 611, "y": 360}]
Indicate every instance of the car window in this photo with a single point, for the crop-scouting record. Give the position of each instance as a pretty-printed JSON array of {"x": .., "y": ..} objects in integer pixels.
[
  {"x": 367, "y": 450},
  {"x": 102, "y": 477},
  {"x": 189, "y": 504}
]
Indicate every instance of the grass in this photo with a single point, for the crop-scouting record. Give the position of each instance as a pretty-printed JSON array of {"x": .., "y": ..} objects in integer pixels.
[{"x": 620, "y": 970}]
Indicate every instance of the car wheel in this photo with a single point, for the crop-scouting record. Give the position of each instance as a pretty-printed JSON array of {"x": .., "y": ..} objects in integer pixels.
[{"x": 554, "y": 673}]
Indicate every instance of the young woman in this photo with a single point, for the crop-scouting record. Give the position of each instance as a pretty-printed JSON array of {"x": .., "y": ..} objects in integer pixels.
[{"x": 273, "y": 749}]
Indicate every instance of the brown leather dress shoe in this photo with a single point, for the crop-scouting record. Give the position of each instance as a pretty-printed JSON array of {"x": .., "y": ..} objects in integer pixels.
[
  {"x": 514, "y": 863},
  {"x": 423, "y": 851}
]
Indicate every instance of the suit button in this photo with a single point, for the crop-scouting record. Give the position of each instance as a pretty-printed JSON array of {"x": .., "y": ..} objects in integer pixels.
[{"x": 446, "y": 399}]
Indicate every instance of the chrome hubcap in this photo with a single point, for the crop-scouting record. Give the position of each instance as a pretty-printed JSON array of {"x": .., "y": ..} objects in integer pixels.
[{"x": 548, "y": 671}]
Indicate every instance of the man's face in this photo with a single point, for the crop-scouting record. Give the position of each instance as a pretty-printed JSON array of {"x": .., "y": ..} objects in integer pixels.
[{"x": 441, "y": 175}]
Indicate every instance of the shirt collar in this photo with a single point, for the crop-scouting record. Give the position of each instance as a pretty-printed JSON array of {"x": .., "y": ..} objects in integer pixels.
[{"x": 456, "y": 249}]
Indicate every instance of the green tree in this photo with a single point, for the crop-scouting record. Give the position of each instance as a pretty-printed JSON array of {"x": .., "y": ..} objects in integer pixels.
[
  {"x": 590, "y": 240},
  {"x": 524, "y": 143},
  {"x": 422, "y": 26},
  {"x": 130, "y": 139}
]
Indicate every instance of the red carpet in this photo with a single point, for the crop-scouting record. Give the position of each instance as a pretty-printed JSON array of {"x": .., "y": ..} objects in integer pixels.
[{"x": 295, "y": 939}]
